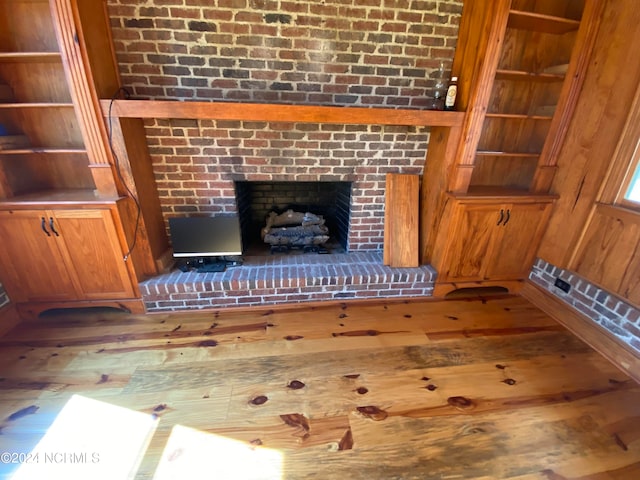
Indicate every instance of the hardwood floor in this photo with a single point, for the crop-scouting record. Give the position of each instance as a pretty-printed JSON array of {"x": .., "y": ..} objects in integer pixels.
[{"x": 487, "y": 388}]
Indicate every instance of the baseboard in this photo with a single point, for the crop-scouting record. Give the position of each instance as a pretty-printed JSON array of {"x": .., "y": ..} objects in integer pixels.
[
  {"x": 609, "y": 346},
  {"x": 9, "y": 318}
]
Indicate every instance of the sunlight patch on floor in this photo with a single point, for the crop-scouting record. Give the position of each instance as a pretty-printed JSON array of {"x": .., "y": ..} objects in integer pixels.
[
  {"x": 90, "y": 439},
  {"x": 196, "y": 455}
]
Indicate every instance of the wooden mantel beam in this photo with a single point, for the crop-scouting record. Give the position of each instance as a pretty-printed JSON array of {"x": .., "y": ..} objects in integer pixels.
[{"x": 257, "y": 112}]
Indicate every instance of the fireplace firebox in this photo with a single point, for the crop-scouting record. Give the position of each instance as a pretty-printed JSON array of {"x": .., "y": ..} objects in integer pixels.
[{"x": 257, "y": 200}]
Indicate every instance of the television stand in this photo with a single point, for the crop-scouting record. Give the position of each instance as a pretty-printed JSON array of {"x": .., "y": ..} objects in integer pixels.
[{"x": 202, "y": 264}]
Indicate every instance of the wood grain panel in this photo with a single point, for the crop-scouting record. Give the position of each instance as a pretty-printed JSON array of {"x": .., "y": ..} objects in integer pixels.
[
  {"x": 515, "y": 250},
  {"x": 28, "y": 29},
  {"x": 130, "y": 147},
  {"x": 32, "y": 264},
  {"x": 46, "y": 171},
  {"x": 598, "y": 121},
  {"x": 438, "y": 163},
  {"x": 504, "y": 170},
  {"x": 36, "y": 82},
  {"x": 609, "y": 252},
  {"x": 402, "y": 220},
  {"x": 471, "y": 242},
  {"x": 580, "y": 59},
  {"x": 94, "y": 253},
  {"x": 513, "y": 135},
  {"x": 46, "y": 125}
]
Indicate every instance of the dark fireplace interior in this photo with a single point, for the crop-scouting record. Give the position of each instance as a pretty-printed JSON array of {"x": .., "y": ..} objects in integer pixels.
[{"x": 255, "y": 200}]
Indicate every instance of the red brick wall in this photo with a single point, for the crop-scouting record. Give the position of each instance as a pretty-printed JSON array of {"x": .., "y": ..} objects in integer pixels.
[{"x": 378, "y": 53}]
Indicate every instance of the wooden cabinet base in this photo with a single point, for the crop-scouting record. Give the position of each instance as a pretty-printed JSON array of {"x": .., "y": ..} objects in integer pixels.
[
  {"x": 441, "y": 290},
  {"x": 30, "y": 311},
  {"x": 488, "y": 241}
]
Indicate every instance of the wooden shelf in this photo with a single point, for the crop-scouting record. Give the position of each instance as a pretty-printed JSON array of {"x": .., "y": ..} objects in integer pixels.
[
  {"x": 488, "y": 153},
  {"x": 79, "y": 198},
  {"x": 35, "y": 105},
  {"x": 524, "y": 76},
  {"x": 538, "y": 22},
  {"x": 517, "y": 116},
  {"x": 492, "y": 193},
  {"x": 42, "y": 150},
  {"x": 258, "y": 112},
  {"x": 30, "y": 57}
]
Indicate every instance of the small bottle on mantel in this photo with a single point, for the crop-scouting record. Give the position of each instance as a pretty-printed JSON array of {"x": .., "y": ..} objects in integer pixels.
[
  {"x": 452, "y": 91},
  {"x": 439, "y": 90}
]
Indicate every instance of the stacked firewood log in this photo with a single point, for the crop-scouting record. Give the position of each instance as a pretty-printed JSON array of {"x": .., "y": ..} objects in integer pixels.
[{"x": 295, "y": 229}]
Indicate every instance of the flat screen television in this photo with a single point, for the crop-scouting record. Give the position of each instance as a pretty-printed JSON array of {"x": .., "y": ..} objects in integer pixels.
[{"x": 195, "y": 237}]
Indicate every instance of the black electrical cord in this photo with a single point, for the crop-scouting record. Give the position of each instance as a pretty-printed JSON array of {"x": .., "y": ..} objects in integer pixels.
[{"x": 119, "y": 172}]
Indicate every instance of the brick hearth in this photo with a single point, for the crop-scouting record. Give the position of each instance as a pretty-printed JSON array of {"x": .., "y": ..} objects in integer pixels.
[{"x": 272, "y": 280}]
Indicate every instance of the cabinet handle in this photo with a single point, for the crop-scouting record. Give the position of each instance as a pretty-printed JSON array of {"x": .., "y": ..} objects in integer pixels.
[
  {"x": 501, "y": 217},
  {"x": 53, "y": 229},
  {"x": 508, "y": 218},
  {"x": 43, "y": 225}
]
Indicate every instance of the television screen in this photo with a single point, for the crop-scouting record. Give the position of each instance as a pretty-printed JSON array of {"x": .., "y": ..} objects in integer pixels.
[{"x": 205, "y": 236}]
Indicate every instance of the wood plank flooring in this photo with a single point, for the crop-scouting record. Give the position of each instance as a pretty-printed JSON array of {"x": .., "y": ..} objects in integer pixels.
[{"x": 484, "y": 388}]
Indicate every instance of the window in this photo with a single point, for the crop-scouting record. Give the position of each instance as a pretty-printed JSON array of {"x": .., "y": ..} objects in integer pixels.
[
  {"x": 631, "y": 184},
  {"x": 633, "y": 192},
  {"x": 622, "y": 184}
]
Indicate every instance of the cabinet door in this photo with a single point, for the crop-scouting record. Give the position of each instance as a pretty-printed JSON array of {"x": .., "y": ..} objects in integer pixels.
[
  {"x": 517, "y": 241},
  {"x": 93, "y": 253},
  {"x": 31, "y": 263},
  {"x": 471, "y": 242}
]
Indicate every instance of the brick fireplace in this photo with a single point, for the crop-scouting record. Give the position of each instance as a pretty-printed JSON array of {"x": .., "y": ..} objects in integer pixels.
[
  {"x": 199, "y": 165},
  {"x": 377, "y": 53}
]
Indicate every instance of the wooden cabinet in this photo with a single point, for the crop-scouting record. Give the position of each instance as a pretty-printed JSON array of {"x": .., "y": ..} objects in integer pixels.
[
  {"x": 521, "y": 64},
  {"x": 473, "y": 230},
  {"x": 32, "y": 266},
  {"x": 56, "y": 63},
  {"x": 91, "y": 250},
  {"x": 489, "y": 241},
  {"x": 62, "y": 255},
  {"x": 517, "y": 239}
]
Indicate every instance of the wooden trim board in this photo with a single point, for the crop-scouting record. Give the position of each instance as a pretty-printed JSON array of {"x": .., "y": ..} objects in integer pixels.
[
  {"x": 616, "y": 351},
  {"x": 258, "y": 112}
]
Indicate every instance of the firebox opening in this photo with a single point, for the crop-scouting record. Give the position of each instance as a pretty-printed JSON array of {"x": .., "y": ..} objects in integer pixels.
[{"x": 256, "y": 200}]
